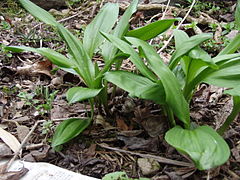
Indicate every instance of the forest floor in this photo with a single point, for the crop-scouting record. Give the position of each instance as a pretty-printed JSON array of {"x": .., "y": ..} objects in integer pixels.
[{"x": 132, "y": 138}]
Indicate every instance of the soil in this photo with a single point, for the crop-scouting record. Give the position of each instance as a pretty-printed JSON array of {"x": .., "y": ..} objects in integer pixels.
[{"x": 134, "y": 130}]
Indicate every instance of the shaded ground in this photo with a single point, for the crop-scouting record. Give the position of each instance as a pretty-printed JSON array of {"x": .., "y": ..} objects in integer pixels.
[{"x": 32, "y": 89}]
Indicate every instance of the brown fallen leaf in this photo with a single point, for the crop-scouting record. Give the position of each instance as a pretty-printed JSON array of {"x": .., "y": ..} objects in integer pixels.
[
  {"x": 39, "y": 155},
  {"x": 13, "y": 175},
  {"x": 22, "y": 132},
  {"x": 148, "y": 166},
  {"x": 10, "y": 140},
  {"x": 4, "y": 150},
  {"x": 135, "y": 143},
  {"x": 40, "y": 67},
  {"x": 99, "y": 120},
  {"x": 122, "y": 125}
]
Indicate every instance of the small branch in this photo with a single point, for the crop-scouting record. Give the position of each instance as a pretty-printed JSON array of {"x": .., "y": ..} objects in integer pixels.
[
  {"x": 157, "y": 158},
  {"x": 22, "y": 144},
  {"x": 179, "y": 25},
  {"x": 164, "y": 13}
]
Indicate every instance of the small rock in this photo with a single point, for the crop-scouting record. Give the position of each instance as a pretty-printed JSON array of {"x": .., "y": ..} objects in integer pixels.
[
  {"x": 22, "y": 132},
  {"x": 18, "y": 86},
  {"x": 29, "y": 158},
  {"x": 6, "y": 79},
  {"x": 148, "y": 166},
  {"x": 57, "y": 81},
  {"x": 232, "y": 34},
  {"x": 65, "y": 11},
  {"x": 78, "y": 26},
  {"x": 55, "y": 12}
]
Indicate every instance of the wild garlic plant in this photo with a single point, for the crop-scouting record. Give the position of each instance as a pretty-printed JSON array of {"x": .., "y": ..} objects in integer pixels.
[
  {"x": 80, "y": 54},
  {"x": 173, "y": 85}
]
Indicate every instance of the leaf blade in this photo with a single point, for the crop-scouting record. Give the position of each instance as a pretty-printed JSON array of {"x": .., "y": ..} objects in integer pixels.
[
  {"x": 205, "y": 146},
  {"x": 136, "y": 85},
  {"x": 151, "y": 30},
  {"x": 188, "y": 45},
  {"x": 109, "y": 51},
  {"x": 126, "y": 48},
  {"x": 76, "y": 94},
  {"x": 103, "y": 22},
  {"x": 69, "y": 129},
  {"x": 55, "y": 57}
]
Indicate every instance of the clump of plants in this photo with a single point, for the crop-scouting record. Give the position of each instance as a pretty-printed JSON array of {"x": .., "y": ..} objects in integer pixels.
[
  {"x": 172, "y": 86},
  {"x": 80, "y": 53}
]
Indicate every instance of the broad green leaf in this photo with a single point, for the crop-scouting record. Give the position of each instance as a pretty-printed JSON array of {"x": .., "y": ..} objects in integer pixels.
[
  {"x": 205, "y": 146},
  {"x": 174, "y": 96},
  {"x": 137, "y": 86},
  {"x": 76, "y": 94},
  {"x": 228, "y": 75},
  {"x": 180, "y": 37},
  {"x": 151, "y": 30},
  {"x": 53, "y": 56},
  {"x": 85, "y": 66},
  {"x": 83, "y": 61},
  {"x": 232, "y": 47},
  {"x": 225, "y": 57},
  {"x": 70, "y": 70},
  {"x": 69, "y": 129},
  {"x": 191, "y": 43},
  {"x": 233, "y": 92},
  {"x": 195, "y": 62},
  {"x": 38, "y": 12},
  {"x": 221, "y": 61},
  {"x": 103, "y": 22},
  {"x": 117, "y": 57},
  {"x": 201, "y": 55},
  {"x": 237, "y": 15},
  {"x": 108, "y": 50},
  {"x": 134, "y": 57}
]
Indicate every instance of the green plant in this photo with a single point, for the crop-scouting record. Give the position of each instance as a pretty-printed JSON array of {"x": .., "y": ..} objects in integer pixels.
[
  {"x": 28, "y": 98},
  {"x": 47, "y": 97},
  {"x": 32, "y": 99},
  {"x": 237, "y": 15},
  {"x": 119, "y": 176},
  {"x": 81, "y": 52},
  {"x": 47, "y": 127},
  {"x": 172, "y": 87},
  {"x": 5, "y": 25},
  {"x": 228, "y": 27}
]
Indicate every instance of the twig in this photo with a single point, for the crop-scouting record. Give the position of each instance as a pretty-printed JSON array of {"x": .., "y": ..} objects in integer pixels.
[
  {"x": 101, "y": 4},
  {"x": 179, "y": 25},
  {"x": 157, "y": 158},
  {"x": 164, "y": 13},
  {"x": 22, "y": 144}
]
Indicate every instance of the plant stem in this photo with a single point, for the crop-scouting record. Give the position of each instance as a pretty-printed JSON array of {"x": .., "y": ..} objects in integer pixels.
[
  {"x": 104, "y": 97},
  {"x": 170, "y": 115},
  {"x": 232, "y": 116},
  {"x": 91, "y": 101}
]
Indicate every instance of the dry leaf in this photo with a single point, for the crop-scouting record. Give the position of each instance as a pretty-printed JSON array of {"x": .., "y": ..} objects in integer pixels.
[
  {"x": 13, "y": 175},
  {"x": 122, "y": 125},
  {"x": 101, "y": 121},
  {"x": 41, "y": 67},
  {"x": 22, "y": 132},
  {"x": 4, "y": 150},
  {"x": 10, "y": 140}
]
